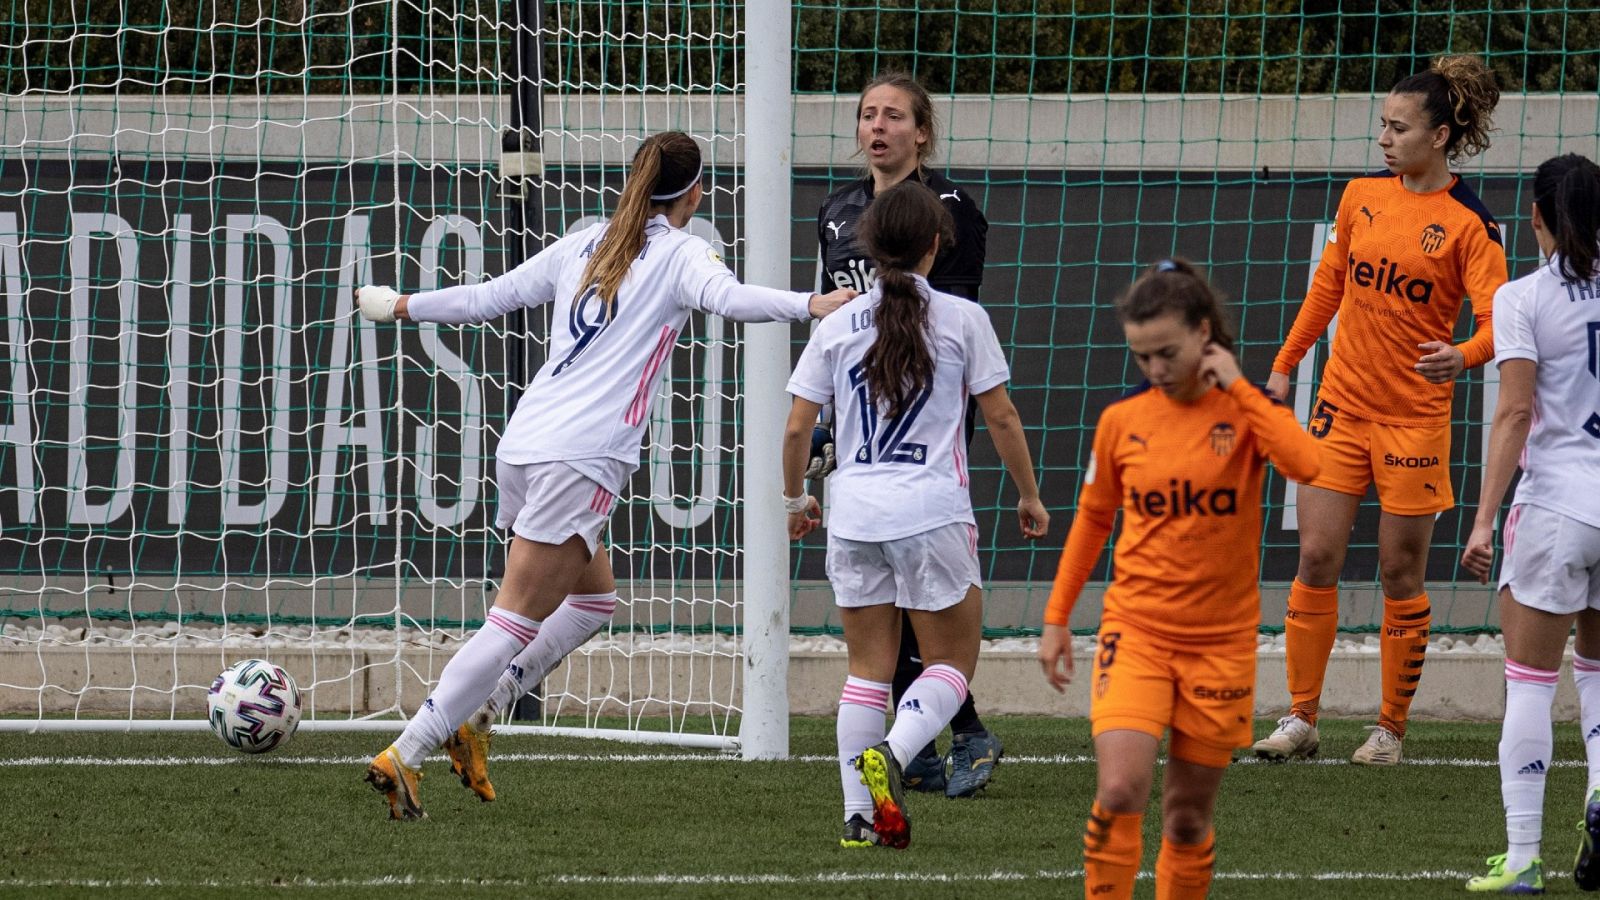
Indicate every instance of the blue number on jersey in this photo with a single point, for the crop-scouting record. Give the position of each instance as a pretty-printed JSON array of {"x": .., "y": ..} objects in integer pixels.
[
  {"x": 587, "y": 319},
  {"x": 892, "y": 446}
]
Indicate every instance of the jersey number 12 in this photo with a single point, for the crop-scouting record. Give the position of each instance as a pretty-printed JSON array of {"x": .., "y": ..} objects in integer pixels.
[{"x": 885, "y": 440}]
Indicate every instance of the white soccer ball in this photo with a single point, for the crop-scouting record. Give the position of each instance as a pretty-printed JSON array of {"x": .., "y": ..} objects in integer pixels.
[{"x": 254, "y": 706}]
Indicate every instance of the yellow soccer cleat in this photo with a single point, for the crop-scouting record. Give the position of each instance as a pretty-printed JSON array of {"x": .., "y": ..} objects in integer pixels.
[
  {"x": 397, "y": 782},
  {"x": 1529, "y": 880},
  {"x": 469, "y": 760},
  {"x": 880, "y": 772}
]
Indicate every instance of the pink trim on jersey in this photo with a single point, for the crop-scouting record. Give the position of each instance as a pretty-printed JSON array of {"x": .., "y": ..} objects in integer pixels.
[
  {"x": 641, "y": 394},
  {"x": 972, "y": 539},
  {"x": 861, "y": 695},
  {"x": 516, "y": 630},
  {"x": 954, "y": 679},
  {"x": 1516, "y": 671},
  {"x": 958, "y": 446},
  {"x": 601, "y": 501},
  {"x": 1509, "y": 530},
  {"x": 1579, "y": 664}
]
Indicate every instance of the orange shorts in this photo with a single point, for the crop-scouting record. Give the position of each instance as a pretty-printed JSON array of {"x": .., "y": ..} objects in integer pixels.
[
  {"x": 1410, "y": 464},
  {"x": 1207, "y": 699}
]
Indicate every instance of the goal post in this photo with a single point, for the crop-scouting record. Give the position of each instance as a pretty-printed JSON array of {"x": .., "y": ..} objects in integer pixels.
[{"x": 205, "y": 457}]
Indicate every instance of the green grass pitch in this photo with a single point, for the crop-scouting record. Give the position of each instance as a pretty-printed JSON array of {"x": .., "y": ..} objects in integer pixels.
[{"x": 101, "y": 815}]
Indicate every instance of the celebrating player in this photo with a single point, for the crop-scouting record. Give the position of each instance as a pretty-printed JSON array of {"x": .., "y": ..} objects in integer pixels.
[
  {"x": 1407, "y": 247},
  {"x": 623, "y": 290},
  {"x": 1546, "y": 326},
  {"x": 896, "y": 132},
  {"x": 898, "y": 363},
  {"x": 1182, "y": 457}
]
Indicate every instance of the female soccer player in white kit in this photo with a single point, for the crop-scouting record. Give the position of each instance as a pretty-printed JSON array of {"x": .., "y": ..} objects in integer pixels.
[
  {"x": 622, "y": 292},
  {"x": 898, "y": 363},
  {"x": 1546, "y": 342}
]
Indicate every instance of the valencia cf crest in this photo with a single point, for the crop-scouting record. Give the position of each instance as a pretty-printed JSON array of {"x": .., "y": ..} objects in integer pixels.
[
  {"x": 1100, "y": 685},
  {"x": 1222, "y": 438},
  {"x": 1432, "y": 238}
]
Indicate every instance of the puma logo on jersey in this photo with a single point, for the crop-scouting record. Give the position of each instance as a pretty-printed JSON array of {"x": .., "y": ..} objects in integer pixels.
[
  {"x": 836, "y": 228},
  {"x": 1143, "y": 442},
  {"x": 953, "y": 195},
  {"x": 1370, "y": 215}
]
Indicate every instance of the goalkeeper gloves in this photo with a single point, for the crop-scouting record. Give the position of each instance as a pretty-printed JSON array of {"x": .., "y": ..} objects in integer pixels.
[
  {"x": 376, "y": 302},
  {"x": 822, "y": 459}
]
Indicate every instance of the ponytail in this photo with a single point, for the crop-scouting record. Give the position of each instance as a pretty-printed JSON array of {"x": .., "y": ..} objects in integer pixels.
[
  {"x": 1458, "y": 91},
  {"x": 1566, "y": 189},
  {"x": 663, "y": 165},
  {"x": 1175, "y": 286},
  {"x": 897, "y": 230}
]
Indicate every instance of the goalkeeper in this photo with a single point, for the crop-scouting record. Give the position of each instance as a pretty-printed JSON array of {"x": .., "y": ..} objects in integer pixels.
[
  {"x": 896, "y": 132},
  {"x": 621, "y": 292}
]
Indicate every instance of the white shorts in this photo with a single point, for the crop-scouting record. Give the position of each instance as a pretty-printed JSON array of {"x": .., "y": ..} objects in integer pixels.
[
  {"x": 1552, "y": 561},
  {"x": 551, "y": 502},
  {"x": 928, "y": 571}
]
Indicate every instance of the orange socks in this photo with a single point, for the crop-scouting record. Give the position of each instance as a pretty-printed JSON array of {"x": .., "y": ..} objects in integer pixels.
[
  {"x": 1308, "y": 632},
  {"x": 1183, "y": 871},
  {"x": 1400, "y": 650},
  {"x": 1112, "y": 845}
]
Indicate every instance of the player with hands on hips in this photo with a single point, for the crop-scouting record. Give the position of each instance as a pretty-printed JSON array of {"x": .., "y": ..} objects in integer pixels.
[
  {"x": 898, "y": 364},
  {"x": 1182, "y": 457},
  {"x": 574, "y": 440},
  {"x": 1547, "y": 422}
]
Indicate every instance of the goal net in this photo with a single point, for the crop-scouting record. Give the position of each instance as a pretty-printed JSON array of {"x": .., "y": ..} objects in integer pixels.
[{"x": 204, "y": 456}]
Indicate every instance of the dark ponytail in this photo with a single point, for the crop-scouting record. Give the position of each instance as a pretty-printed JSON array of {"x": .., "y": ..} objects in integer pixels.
[
  {"x": 1175, "y": 286},
  {"x": 898, "y": 230},
  {"x": 1566, "y": 189},
  {"x": 664, "y": 163},
  {"x": 1458, "y": 91}
]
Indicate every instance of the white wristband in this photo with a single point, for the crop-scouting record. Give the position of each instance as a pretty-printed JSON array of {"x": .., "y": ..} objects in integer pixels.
[{"x": 795, "y": 506}]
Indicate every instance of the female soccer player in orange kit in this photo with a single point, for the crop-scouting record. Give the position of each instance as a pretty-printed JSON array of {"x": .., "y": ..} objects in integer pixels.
[
  {"x": 1182, "y": 457},
  {"x": 1408, "y": 246}
]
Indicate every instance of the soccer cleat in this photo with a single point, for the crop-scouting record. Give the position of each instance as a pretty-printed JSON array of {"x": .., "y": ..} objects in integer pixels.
[
  {"x": 858, "y": 833},
  {"x": 1294, "y": 738},
  {"x": 972, "y": 761},
  {"x": 925, "y": 773},
  {"x": 880, "y": 772},
  {"x": 1498, "y": 881},
  {"x": 469, "y": 760},
  {"x": 1381, "y": 749},
  {"x": 397, "y": 782},
  {"x": 1586, "y": 871}
]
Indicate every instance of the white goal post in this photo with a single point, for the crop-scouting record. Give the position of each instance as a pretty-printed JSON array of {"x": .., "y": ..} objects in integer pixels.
[{"x": 205, "y": 458}]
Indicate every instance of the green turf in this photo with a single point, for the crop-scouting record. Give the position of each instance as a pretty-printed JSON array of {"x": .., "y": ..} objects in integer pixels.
[{"x": 214, "y": 829}]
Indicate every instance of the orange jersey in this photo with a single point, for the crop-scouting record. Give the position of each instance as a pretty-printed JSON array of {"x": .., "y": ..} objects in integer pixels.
[
  {"x": 1396, "y": 268},
  {"x": 1188, "y": 479}
]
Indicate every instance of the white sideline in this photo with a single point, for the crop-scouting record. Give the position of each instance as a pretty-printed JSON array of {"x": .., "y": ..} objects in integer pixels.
[
  {"x": 1049, "y": 760},
  {"x": 721, "y": 879}
]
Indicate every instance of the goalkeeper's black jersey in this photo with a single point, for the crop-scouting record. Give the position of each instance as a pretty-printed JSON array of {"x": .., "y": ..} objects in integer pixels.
[{"x": 956, "y": 270}]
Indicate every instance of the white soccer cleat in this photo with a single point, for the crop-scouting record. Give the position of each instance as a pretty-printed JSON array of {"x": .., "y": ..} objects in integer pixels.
[
  {"x": 1381, "y": 749},
  {"x": 1294, "y": 738}
]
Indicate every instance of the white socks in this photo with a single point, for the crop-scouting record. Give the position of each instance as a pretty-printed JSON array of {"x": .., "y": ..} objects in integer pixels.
[
  {"x": 861, "y": 725},
  {"x": 466, "y": 681},
  {"x": 575, "y": 621},
  {"x": 1525, "y": 746},
  {"x": 1586, "y": 675},
  {"x": 925, "y": 709}
]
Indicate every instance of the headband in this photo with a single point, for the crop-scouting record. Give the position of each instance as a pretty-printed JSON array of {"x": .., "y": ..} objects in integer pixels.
[
  {"x": 1166, "y": 265},
  {"x": 685, "y": 189}
]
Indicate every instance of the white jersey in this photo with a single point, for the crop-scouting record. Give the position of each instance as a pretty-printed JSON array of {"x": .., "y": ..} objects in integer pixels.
[
  {"x": 590, "y": 402},
  {"x": 907, "y": 475},
  {"x": 1556, "y": 323}
]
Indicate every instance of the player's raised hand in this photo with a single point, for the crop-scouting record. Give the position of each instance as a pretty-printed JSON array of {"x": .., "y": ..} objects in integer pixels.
[
  {"x": 1219, "y": 366},
  {"x": 1440, "y": 362},
  {"x": 1055, "y": 655},
  {"x": 1278, "y": 386},
  {"x": 377, "y": 302},
  {"x": 823, "y": 304},
  {"x": 1479, "y": 554},
  {"x": 1033, "y": 517}
]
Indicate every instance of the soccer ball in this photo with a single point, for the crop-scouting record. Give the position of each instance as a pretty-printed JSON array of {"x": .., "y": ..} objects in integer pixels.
[{"x": 254, "y": 706}]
